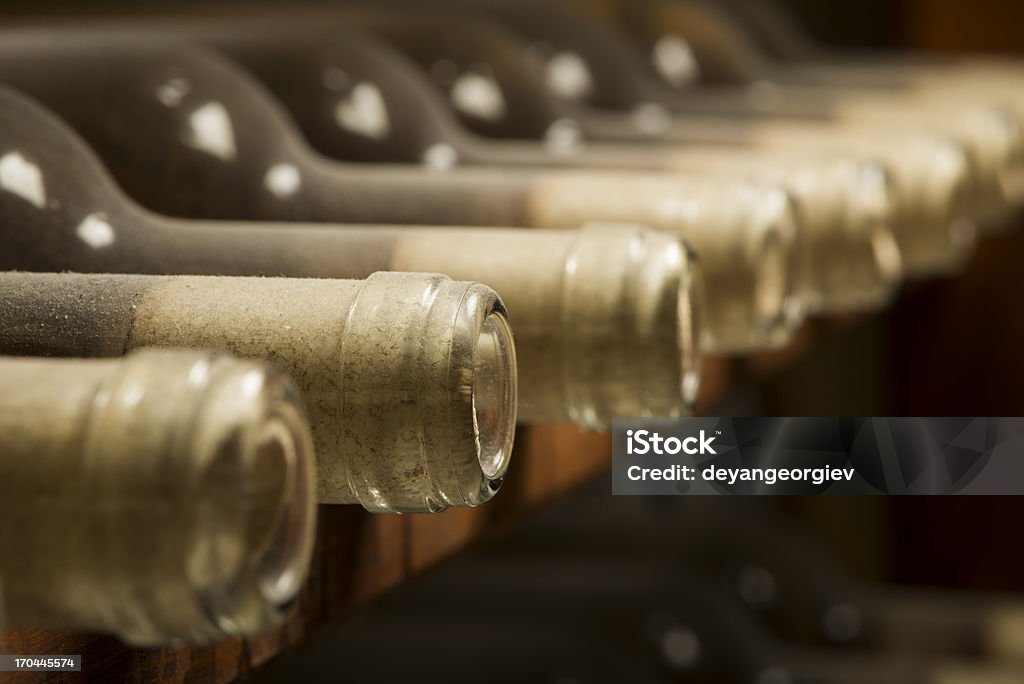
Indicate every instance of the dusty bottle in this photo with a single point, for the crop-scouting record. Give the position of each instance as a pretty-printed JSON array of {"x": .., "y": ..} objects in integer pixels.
[
  {"x": 992, "y": 128},
  {"x": 165, "y": 497},
  {"x": 494, "y": 61},
  {"x": 991, "y": 132},
  {"x": 943, "y": 185},
  {"x": 861, "y": 273},
  {"x": 943, "y": 192},
  {"x": 228, "y": 149},
  {"x": 587, "y": 63},
  {"x": 848, "y": 255},
  {"x": 409, "y": 380},
  {"x": 936, "y": 204},
  {"x": 750, "y": 259},
  {"x": 737, "y": 43},
  {"x": 936, "y": 197},
  {"x": 608, "y": 318},
  {"x": 240, "y": 158}
]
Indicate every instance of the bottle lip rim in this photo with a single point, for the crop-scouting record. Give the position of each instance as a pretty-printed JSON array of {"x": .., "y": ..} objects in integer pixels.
[
  {"x": 690, "y": 313},
  {"x": 874, "y": 207},
  {"x": 481, "y": 321},
  {"x": 279, "y": 579},
  {"x": 778, "y": 306},
  {"x": 268, "y": 433},
  {"x": 494, "y": 455}
]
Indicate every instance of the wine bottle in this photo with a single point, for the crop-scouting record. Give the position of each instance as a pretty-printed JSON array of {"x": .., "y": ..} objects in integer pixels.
[
  {"x": 849, "y": 258},
  {"x": 941, "y": 188},
  {"x": 164, "y": 497},
  {"x": 992, "y": 126},
  {"x": 725, "y": 42},
  {"x": 226, "y": 151},
  {"x": 854, "y": 265},
  {"x": 409, "y": 379},
  {"x": 945, "y": 183},
  {"x": 609, "y": 320},
  {"x": 991, "y": 132}
]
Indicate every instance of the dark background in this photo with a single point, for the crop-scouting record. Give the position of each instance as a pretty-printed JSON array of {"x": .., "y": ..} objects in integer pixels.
[{"x": 947, "y": 348}]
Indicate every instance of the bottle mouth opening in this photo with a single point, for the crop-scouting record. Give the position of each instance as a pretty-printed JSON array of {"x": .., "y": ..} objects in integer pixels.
[
  {"x": 962, "y": 227},
  {"x": 777, "y": 308},
  {"x": 771, "y": 290},
  {"x": 875, "y": 204},
  {"x": 956, "y": 178},
  {"x": 690, "y": 311},
  {"x": 494, "y": 396},
  {"x": 888, "y": 260},
  {"x": 280, "y": 516},
  {"x": 257, "y": 495},
  {"x": 1007, "y": 131}
]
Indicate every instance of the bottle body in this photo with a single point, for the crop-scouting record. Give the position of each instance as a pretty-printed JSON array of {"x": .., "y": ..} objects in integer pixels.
[{"x": 745, "y": 233}]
